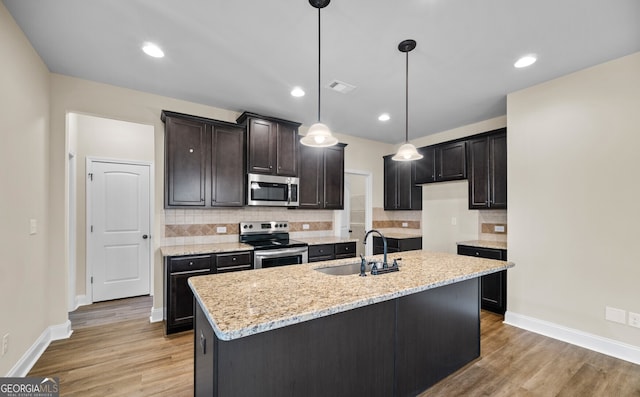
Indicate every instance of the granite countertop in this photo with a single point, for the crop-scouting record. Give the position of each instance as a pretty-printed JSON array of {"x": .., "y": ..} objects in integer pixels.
[
  {"x": 500, "y": 245},
  {"x": 177, "y": 250},
  {"x": 245, "y": 303},
  {"x": 327, "y": 240}
]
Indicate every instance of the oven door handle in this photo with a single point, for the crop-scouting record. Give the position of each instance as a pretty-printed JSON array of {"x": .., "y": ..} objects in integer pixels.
[{"x": 280, "y": 252}]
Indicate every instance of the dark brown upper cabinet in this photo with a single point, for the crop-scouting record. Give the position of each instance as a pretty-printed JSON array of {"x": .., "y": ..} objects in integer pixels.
[
  {"x": 443, "y": 162},
  {"x": 272, "y": 145},
  {"x": 322, "y": 177},
  {"x": 488, "y": 170},
  {"x": 204, "y": 162},
  {"x": 400, "y": 190}
]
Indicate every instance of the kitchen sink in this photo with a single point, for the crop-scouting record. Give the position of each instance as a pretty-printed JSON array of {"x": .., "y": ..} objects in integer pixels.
[{"x": 344, "y": 270}]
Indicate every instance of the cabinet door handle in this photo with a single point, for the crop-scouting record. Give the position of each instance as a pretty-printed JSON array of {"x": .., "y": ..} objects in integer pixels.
[{"x": 203, "y": 343}]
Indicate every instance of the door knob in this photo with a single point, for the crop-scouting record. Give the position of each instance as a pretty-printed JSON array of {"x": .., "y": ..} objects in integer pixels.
[{"x": 144, "y": 236}]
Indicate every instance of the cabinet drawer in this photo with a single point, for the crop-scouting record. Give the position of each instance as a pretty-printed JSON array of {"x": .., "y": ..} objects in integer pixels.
[
  {"x": 189, "y": 263},
  {"x": 488, "y": 253},
  {"x": 324, "y": 250},
  {"x": 234, "y": 259},
  {"x": 345, "y": 250},
  {"x": 391, "y": 243}
]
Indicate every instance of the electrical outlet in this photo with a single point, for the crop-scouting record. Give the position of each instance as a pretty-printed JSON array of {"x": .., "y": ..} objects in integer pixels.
[
  {"x": 454, "y": 221},
  {"x": 405, "y": 224},
  {"x": 634, "y": 319},
  {"x": 498, "y": 228},
  {"x": 305, "y": 226},
  {"x": 615, "y": 315},
  {"x": 33, "y": 226},
  {"x": 221, "y": 229},
  {"x": 5, "y": 344}
]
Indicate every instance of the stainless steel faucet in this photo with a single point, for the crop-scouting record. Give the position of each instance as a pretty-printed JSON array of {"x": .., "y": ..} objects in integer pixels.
[{"x": 384, "y": 244}]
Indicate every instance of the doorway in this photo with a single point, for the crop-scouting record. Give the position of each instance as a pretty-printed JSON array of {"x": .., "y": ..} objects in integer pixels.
[
  {"x": 115, "y": 141},
  {"x": 358, "y": 209}
]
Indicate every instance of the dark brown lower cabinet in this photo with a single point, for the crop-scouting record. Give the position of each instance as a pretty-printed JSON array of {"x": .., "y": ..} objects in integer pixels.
[
  {"x": 327, "y": 252},
  {"x": 178, "y": 298},
  {"x": 493, "y": 287},
  {"x": 398, "y": 347},
  {"x": 396, "y": 244}
]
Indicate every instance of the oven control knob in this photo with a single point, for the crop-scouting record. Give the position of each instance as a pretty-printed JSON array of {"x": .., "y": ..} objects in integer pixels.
[
  {"x": 284, "y": 225},
  {"x": 250, "y": 226}
]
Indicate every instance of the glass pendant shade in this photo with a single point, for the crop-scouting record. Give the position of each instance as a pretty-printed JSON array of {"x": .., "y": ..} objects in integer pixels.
[
  {"x": 319, "y": 135},
  {"x": 407, "y": 152}
]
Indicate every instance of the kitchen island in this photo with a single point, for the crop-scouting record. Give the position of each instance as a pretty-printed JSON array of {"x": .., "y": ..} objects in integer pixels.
[{"x": 296, "y": 331}]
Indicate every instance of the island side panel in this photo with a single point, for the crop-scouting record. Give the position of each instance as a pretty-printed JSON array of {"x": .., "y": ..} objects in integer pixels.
[
  {"x": 438, "y": 333},
  {"x": 345, "y": 354}
]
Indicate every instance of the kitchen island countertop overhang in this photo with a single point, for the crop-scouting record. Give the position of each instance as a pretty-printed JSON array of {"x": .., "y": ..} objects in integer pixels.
[{"x": 246, "y": 303}]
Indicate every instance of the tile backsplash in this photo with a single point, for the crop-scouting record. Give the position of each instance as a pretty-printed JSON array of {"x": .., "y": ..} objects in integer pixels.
[
  {"x": 489, "y": 221},
  {"x": 186, "y": 226}
]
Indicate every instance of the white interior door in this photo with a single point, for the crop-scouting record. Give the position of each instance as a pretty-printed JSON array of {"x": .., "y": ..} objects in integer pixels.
[{"x": 119, "y": 242}]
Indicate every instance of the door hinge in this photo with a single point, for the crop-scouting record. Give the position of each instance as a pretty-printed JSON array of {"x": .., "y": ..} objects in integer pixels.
[
  {"x": 91, "y": 228},
  {"x": 91, "y": 176},
  {"x": 91, "y": 279}
]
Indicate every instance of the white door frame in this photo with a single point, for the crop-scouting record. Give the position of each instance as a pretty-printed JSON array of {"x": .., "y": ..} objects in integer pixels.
[
  {"x": 88, "y": 267},
  {"x": 368, "y": 202},
  {"x": 72, "y": 304}
]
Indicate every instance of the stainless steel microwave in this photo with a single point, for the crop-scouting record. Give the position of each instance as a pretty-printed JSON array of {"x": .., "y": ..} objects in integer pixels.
[{"x": 272, "y": 190}]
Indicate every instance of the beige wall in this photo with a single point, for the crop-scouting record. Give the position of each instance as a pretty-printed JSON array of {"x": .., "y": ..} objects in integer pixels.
[
  {"x": 573, "y": 199},
  {"x": 98, "y": 137},
  {"x": 27, "y": 283}
]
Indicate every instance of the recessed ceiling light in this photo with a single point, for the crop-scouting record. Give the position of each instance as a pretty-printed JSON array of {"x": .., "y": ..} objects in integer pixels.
[
  {"x": 525, "y": 61},
  {"x": 152, "y": 50},
  {"x": 384, "y": 117},
  {"x": 297, "y": 92}
]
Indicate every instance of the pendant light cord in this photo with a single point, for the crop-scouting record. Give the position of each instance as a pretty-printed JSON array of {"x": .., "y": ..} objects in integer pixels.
[
  {"x": 406, "y": 101},
  {"x": 319, "y": 37}
]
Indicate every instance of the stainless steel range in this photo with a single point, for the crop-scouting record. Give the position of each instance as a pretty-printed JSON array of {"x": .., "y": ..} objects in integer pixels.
[{"x": 271, "y": 244}]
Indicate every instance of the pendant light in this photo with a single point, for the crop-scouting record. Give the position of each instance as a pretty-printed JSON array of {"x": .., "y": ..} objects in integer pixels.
[
  {"x": 407, "y": 152},
  {"x": 319, "y": 135}
]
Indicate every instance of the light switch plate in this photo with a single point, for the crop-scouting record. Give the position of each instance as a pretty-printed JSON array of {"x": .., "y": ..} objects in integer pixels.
[
  {"x": 33, "y": 226},
  {"x": 405, "y": 224},
  {"x": 305, "y": 226},
  {"x": 221, "y": 229},
  {"x": 634, "y": 319}
]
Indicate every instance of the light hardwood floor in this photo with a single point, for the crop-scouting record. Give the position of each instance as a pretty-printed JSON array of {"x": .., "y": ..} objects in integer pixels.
[{"x": 115, "y": 351}]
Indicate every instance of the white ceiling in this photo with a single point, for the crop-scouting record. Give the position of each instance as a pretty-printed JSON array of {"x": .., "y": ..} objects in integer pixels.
[{"x": 248, "y": 54}]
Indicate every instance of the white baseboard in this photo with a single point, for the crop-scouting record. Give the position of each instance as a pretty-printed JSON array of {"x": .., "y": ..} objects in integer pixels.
[
  {"x": 157, "y": 315},
  {"x": 28, "y": 360},
  {"x": 81, "y": 300},
  {"x": 576, "y": 337}
]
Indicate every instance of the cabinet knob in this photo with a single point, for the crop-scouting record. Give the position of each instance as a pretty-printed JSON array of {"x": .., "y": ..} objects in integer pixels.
[
  {"x": 346, "y": 248},
  {"x": 270, "y": 167},
  {"x": 190, "y": 263},
  {"x": 233, "y": 259}
]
